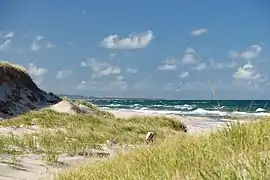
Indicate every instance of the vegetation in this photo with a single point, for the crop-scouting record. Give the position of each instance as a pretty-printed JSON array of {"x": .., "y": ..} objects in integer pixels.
[
  {"x": 15, "y": 67},
  {"x": 94, "y": 108},
  {"x": 240, "y": 151},
  {"x": 72, "y": 134}
]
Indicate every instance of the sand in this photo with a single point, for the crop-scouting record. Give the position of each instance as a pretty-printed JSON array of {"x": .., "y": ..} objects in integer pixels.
[
  {"x": 32, "y": 167},
  {"x": 195, "y": 125}
]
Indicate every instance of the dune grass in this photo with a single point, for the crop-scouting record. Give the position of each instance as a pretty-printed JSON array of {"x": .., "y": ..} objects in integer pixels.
[
  {"x": 94, "y": 108},
  {"x": 14, "y": 67},
  {"x": 65, "y": 133},
  {"x": 240, "y": 151}
]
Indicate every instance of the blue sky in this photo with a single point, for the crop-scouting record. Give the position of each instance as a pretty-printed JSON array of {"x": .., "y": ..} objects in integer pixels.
[{"x": 167, "y": 49}]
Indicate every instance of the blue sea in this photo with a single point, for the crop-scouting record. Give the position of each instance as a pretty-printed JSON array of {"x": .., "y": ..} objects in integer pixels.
[{"x": 189, "y": 107}]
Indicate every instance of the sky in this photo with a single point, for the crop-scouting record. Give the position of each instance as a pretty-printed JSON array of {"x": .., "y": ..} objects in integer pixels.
[{"x": 150, "y": 49}]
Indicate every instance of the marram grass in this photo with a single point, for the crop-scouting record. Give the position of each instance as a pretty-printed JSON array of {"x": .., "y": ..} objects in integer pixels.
[
  {"x": 15, "y": 67},
  {"x": 65, "y": 133},
  {"x": 240, "y": 151}
]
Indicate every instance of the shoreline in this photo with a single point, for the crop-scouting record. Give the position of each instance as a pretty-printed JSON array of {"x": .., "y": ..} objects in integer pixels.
[
  {"x": 196, "y": 125},
  {"x": 35, "y": 167}
]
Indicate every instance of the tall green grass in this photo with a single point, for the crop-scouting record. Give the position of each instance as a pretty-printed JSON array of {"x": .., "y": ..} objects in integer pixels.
[{"x": 240, "y": 151}]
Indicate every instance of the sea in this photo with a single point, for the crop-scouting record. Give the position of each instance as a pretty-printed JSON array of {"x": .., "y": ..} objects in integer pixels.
[{"x": 188, "y": 107}]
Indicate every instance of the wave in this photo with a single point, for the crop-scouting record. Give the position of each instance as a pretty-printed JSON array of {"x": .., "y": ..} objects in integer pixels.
[
  {"x": 190, "y": 108},
  {"x": 197, "y": 112}
]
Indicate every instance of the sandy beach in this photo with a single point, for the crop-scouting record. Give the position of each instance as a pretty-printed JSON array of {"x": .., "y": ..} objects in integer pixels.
[{"x": 196, "y": 125}]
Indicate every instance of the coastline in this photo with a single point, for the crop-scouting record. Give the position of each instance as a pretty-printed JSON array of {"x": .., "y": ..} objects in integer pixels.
[
  {"x": 196, "y": 124},
  {"x": 35, "y": 167}
]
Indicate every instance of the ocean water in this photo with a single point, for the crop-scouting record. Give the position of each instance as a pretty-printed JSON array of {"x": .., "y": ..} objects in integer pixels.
[{"x": 189, "y": 107}]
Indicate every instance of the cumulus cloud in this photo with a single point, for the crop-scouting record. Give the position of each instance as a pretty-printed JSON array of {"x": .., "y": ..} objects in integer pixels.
[
  {"x": 199, "y": 32},
  {"x": 36, "y": 73},
  {"x": 250, "y": 53},
  {"x": 168, "y": 65},
  {"x": 189, "y": 57},
  {"x": 61, "y": 74},
  {"x": 247, "y": 72},
  {"x": 184, "y": 74},
  {"x": 133, "y": 41},
  {"x": 200, "y": 67},
  {"x": 100, "y": 68}
]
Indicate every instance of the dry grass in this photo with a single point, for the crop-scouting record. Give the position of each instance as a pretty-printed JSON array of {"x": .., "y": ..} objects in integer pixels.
[
  {"x": 240, "y": 151},
  {"x": 13, "y": 67}
]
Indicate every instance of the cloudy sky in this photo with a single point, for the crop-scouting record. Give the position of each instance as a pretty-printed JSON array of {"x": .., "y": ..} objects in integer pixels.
[{"x": 167, "y": 49}]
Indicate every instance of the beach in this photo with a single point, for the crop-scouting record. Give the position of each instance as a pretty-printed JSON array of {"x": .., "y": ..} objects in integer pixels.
[
  {"x": 33, "y": 167},
  {"x": 195, "y": 124}
]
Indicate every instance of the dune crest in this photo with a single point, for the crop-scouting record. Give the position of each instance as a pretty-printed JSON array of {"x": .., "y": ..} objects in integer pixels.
[{"x": 18, "y": 92}]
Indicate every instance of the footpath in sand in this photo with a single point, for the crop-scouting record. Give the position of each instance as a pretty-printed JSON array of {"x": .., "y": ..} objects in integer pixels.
[{"x": 32, "y": 167}]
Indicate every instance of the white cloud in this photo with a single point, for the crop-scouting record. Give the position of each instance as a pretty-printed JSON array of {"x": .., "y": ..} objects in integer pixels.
[
  {"x": 5, "y": 45},
  {"x": 36, "y": 73},
  {"x": 100, "y": 68},
  {"x": 132, "y": 70},
  {"x": 133, "y": 41},
  {"x": 168, "y": 65},
  {"x": 199, "y": 32},
  {"x": 111, "y": 70},
  {"x": 50, "y": 45},
  {"x": 81, "y": 85},
  {"x": 200, "y": 67},
  {"x": 184, "y": 74},
  {"x": 39, "y": 38},
  {"x": 251, "y": 52},
  {"x": 9, "y": 35},
  {"x": 35, "y": 46},
  {"x": 61, "y": 74},
  {"x": 247, "y": 72},
  {"x": 189, "y": 57},
  {"x": 190, "y": 50}
]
